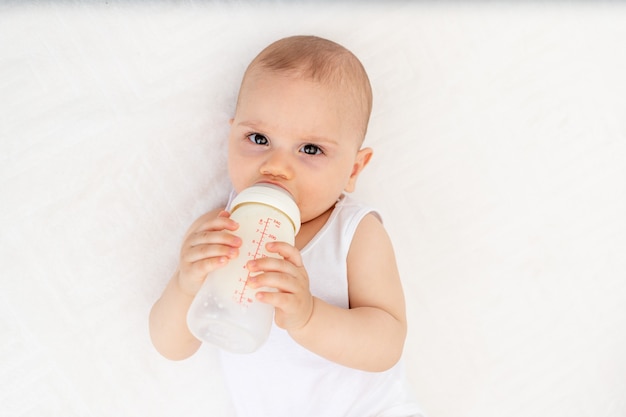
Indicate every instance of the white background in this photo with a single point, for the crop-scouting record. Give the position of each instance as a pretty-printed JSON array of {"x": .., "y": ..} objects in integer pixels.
[{"x": 500, "y": 169}]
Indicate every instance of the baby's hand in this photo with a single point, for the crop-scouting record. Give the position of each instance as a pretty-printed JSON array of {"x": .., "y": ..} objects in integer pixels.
[
  {"x": 208, "y": 246},
  {"x": 293, "y": 301}
]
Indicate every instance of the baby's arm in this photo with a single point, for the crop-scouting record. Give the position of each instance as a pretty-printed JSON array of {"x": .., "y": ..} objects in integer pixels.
[
  {"x": 207, "y": 246},
  {"x": 370, "y": 334}
]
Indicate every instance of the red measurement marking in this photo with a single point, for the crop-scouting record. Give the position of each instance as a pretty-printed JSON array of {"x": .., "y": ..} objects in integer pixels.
[{"x": 241, "y": 295}]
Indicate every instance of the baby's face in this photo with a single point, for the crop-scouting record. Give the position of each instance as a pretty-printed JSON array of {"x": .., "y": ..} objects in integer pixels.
[{"x": 297, "y": 134}]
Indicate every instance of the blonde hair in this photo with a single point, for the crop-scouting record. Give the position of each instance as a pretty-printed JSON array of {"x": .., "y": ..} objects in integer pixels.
[{"x": 319, "y": 60}]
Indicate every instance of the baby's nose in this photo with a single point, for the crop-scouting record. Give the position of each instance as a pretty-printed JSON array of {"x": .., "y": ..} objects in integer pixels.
[{"x": 277, "y": 165}]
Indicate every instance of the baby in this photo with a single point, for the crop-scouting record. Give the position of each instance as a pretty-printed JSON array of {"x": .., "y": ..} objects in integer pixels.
[{"x": 340, "y": 322}]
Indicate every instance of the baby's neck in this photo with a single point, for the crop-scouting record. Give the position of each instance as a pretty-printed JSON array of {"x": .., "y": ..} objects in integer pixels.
[{"x": 309, "y": 229}]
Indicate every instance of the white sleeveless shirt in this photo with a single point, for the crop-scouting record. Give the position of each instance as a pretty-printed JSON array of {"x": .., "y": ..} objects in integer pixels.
[{"x": 283, "y": 379}]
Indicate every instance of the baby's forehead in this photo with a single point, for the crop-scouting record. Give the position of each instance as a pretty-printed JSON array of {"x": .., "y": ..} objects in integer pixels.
[
  {"x": 345, "y": 91},
  {"x": 340, "y": 78},
  {"x": 342, "y": 87}
]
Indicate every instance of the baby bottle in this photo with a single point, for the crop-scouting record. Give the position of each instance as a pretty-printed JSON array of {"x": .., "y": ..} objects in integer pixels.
[{"x": 225, "y": 311}]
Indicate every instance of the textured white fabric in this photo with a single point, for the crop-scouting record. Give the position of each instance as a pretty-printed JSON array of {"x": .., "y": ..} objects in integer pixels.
[{"x": 282, "y": 379}]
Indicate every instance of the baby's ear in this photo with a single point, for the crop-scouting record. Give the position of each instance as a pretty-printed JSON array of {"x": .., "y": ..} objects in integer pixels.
[{"x": 362, "y": 159}]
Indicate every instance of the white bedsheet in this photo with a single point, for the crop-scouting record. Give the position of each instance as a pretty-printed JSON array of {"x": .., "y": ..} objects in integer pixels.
[{"x": 500, "y": 168}]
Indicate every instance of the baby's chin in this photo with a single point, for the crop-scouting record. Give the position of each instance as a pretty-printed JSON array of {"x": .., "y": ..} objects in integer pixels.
[{"x": 307, "y": 215}]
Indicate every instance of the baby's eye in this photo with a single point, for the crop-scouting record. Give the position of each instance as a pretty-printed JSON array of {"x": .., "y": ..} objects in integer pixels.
[
  {"x": 258, "y": 139},
  {"x": 311, "y": 149}
]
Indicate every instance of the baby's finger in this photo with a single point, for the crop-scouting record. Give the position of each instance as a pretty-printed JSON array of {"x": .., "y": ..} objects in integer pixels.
[
  {"x": 204, "y": 266},
  {"x": 270, "y": 264},
  {"x": 211, "y": 237},
  {"x": 192, "y": 275},
  {"x": 208, "y": 251},
  {"x": 221, "y": 222},
  {"x": 293, "y": 311},
  {"x": 277, "y": 280},
  {"x": 287, "y": 251},
  {"x": 276, "y": 299}
]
